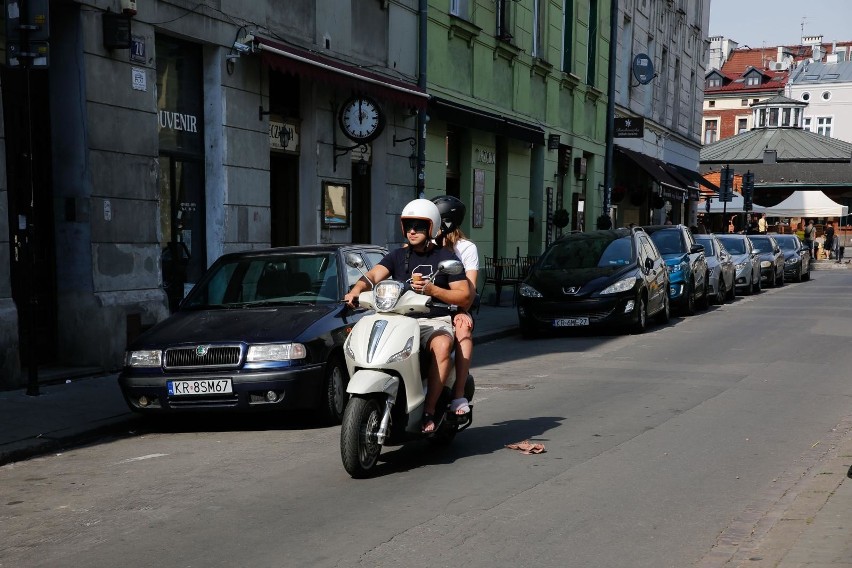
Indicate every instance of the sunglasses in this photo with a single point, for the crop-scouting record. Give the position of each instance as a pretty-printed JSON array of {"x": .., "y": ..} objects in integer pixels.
[{"x": 416, "y": 225}]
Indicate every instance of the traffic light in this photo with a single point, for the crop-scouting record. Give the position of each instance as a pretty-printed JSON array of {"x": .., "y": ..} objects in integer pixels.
[
  {"x": 748, "y": 190},
  {"x": 726, "y": 184}
]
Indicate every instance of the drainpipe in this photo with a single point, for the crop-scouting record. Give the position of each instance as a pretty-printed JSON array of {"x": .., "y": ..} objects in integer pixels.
[
  {"x": 420, "y": 189},
  {"x": 610, "y": 105}
]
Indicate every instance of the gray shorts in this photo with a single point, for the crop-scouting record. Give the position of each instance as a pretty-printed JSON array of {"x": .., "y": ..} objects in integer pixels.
[{"x": 432, "y": 326}]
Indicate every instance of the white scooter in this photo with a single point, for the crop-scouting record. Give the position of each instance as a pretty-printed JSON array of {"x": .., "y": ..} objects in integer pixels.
[{"x": 388, "y": 376}]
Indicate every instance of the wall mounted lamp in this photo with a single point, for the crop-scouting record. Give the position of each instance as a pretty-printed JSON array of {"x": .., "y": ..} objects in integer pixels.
[{"x": 412, "y": 159}]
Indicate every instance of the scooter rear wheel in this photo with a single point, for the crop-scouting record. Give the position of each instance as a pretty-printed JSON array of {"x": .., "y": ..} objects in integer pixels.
[{"x": 359, "y": 449}]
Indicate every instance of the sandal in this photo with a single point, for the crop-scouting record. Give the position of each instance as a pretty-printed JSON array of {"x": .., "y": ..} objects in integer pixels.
[
  {"x": 460, "y": 406},
  {"x": 427, "y": 420}
]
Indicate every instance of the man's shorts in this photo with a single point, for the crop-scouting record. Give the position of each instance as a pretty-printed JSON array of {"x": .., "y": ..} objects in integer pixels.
[{"x": 432, "y": 326}]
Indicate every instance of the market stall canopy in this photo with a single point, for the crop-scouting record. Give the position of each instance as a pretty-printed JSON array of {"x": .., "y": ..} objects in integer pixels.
[
  {"x": 808, "y": 204},
  {"x": 735, "y": 205}
]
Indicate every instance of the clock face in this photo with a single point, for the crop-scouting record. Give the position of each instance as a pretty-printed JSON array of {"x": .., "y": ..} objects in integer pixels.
[{"x": 361, "y": 119}]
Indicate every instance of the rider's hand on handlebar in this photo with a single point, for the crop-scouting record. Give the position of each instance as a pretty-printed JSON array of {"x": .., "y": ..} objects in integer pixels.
[{"x": 351, "y": 299}]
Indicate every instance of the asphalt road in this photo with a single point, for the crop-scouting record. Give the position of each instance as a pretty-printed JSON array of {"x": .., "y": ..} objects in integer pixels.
[{"x": 656, "y": 445}]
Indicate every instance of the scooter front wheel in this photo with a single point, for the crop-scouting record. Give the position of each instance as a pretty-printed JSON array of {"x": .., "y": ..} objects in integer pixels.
[{"x": 359, "y": 448}]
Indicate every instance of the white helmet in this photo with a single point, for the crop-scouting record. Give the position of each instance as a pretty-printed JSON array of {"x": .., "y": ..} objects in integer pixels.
[{"x": 423, "y": 209}]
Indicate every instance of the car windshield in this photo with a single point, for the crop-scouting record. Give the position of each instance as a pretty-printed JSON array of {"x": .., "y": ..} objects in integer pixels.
[
  {"x": 733, "y": 245},
  {"x": 276, "y": 279},
  {"x": 588, "y": 251},
  {"x": 789, "y": 242},
  {"x": 762, "y": 245},
  {"x": 668, "y": 241},
  {"x": 709, "y": 248}
]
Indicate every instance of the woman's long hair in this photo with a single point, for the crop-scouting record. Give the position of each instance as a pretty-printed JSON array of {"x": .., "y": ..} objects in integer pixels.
[{"x": 454, "y": 236}]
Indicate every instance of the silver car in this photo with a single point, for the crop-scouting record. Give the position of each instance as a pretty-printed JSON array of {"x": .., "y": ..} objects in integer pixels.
[
  {"x": 746, "y": 262},
  {"x": 721, "y": 269}
]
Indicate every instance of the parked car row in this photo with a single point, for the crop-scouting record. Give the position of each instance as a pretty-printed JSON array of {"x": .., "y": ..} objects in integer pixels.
[{"x": 623, "y": 277}]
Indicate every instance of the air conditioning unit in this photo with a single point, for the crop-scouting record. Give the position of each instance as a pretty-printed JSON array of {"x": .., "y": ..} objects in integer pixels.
[{"x": 779, "y": 66}]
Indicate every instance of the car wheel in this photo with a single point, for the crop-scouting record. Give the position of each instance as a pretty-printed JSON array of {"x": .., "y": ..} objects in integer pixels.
[
  {"x": 336, "y": 397},
  {"x": 721, "y": 291},
  {"x": 704, "y": 301},
  {"x": 807, "y": 275},
  {"x": 779, "y": 280},
  {"x": 641, "y": 323},
  {"x": 801, "y": 273},
  {"x": 665, "y": 313},
  {"x": 758, "y": 286},
  {"x": 732, "y": 291},
  {"x": 358, "y": 448},
  {"x": 689, "y": 308}
]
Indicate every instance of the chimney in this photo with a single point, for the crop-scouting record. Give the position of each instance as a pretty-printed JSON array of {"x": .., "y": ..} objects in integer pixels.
[{"x": 770, "y": 156}]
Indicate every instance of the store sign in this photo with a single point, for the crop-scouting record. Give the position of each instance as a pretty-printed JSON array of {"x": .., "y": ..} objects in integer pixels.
[
  {"x": 629, "y": 127},
  {"x": 485, "y": 156},
  {"x": 283, "y": 136}
]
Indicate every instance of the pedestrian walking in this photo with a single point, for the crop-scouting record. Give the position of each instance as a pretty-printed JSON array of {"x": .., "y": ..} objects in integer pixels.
[
  {"x": 809, "y": 236},
  {"x": 830, "y": 239},
  {"x": 761, "y": 224}
]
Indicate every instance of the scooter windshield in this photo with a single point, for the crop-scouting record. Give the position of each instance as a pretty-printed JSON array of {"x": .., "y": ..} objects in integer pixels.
[{"x": 386, "y": 295}]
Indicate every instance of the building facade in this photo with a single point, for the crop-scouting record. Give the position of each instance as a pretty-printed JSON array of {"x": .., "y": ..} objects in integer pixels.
[
  {"x": 166, "y": 137},
  {"x": 827, "y": 88},
  {"x": 661, "y": 60}
]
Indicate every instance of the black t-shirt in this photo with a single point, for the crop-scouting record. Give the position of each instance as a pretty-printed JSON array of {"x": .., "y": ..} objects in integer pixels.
[{"x": 425, "y": 264}]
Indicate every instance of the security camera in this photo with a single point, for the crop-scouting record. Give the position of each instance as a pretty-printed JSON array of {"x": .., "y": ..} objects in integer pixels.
[{"x": 242, "y": 47}]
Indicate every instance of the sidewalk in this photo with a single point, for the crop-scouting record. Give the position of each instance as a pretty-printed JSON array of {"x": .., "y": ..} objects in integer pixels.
[{"x": 72, "y": 410}]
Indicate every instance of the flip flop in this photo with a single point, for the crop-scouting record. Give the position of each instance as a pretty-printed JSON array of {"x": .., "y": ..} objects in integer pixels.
[
  {"x": 428, "y": 419},
  {"x": 460, "y": 404}
]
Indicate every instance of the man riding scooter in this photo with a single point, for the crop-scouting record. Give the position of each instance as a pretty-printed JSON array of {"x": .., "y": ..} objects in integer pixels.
[{"x": 421, "y": 224}]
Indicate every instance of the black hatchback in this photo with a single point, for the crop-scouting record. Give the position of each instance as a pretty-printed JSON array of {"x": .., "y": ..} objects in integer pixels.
[
  {"x": 599, "y": 278},
  {"x": 262, "y": 330}
]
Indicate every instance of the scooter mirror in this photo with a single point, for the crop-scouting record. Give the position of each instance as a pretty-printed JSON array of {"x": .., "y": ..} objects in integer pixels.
[
  {"x": 355, "y": 260},
  {"x": 452, "y": 267}
]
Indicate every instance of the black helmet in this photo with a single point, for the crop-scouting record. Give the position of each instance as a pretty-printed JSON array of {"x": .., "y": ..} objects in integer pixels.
[{"x": 452, "y": 212}]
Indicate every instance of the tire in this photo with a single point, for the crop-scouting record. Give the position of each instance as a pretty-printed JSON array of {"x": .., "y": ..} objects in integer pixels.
[
  {"x": 689, "y": 308},
  {"x": 801, "y": 274},
  {"x": 721, "y": 293},
  {"x": 641, "y": 323},
  {"x": 704, "y": 301},
  {"x": 732, "y": 291},
  {"x": 807, "y": 275},
  {"x": 664, "y": 315},
  {"x": 758, "y": 287},
  {"x": 334, "y": 394},
  {"x": 361, "y": 421},
  {"x": 780, "y": 281}
]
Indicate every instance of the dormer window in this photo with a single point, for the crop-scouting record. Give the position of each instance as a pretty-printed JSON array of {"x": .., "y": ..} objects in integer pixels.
[
  {"x": 753, "y": 80},
  {"x": 714, "y": 82}
]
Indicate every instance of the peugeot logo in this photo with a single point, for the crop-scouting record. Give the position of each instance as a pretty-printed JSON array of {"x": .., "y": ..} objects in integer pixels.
[
  {"x": 201, "y": 350},
  {"x": 571, "y": 290}
]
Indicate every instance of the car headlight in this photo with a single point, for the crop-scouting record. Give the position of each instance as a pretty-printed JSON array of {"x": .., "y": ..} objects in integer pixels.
[
  {"x": 742, "y": 265},
  {"x": 404, "y": 354},
  {"x": 144, "y": 358},
  {"x": 528, "y": 291},
  {"x": 765, "y": 264},
  {"x": 276, "y": 352},
  {"x": 792, "y": 260},
  {"x": 621, "y": 286}
]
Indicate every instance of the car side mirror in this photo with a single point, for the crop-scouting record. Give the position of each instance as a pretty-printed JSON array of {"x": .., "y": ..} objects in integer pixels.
[
  {"x": 696, "y": 249},
  {"x": 649, "y": 263}
]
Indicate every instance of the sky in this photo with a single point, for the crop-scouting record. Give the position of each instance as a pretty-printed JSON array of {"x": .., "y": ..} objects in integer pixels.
[{"x": 759, "y": 23}]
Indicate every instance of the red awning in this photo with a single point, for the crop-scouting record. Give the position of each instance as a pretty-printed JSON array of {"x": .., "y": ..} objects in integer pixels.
[{"x": 305, "y": 63}]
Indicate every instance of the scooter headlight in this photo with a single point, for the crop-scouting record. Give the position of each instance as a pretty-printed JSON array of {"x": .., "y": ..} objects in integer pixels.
[
  {"x": 348, "y": 347},
  {"x": 386, "y": 294},
  {"x": 405, "y": 353}
]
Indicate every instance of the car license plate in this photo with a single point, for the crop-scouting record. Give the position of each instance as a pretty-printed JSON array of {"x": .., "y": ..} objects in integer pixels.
[
  {"x": 198, "y": 387},
  {"x": 570, "y": 322}
]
